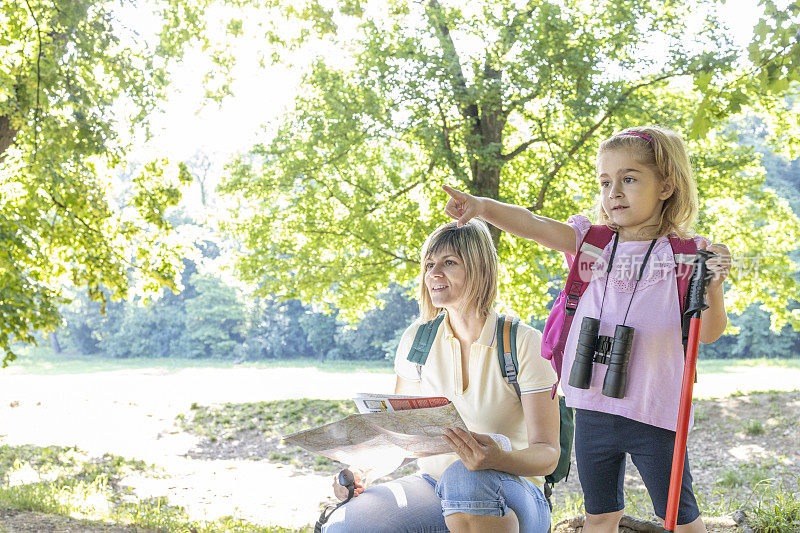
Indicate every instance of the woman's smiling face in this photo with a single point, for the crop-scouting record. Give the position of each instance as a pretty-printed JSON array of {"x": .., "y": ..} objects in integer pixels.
[{"x": 445, "y": 278}]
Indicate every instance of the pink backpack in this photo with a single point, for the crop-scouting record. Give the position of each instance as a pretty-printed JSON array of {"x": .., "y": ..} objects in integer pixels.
[{"x": 556, "y": 328}]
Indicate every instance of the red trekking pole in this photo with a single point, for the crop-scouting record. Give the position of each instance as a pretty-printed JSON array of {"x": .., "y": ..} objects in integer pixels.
[{"x": 695, "y": 305}]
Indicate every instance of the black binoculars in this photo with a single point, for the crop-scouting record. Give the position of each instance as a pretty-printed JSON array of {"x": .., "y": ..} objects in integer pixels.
[{"x": 613, "y": 351}]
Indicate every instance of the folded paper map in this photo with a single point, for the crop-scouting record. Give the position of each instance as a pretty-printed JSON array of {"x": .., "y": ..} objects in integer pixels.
[
  {"x": 381, "y": 441},
  {"x": 381, "y": 403}
]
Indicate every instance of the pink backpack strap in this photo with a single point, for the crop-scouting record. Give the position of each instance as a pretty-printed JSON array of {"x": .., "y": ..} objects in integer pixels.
[
  {"x": 580, "y": 274},
  {"x": 684, "y": 251}
]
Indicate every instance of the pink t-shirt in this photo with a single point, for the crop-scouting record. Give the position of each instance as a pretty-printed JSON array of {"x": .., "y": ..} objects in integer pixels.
[{"x": 655, "y": 366}]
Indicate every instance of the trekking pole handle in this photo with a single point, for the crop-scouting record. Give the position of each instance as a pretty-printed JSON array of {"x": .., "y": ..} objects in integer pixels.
[{"x": 696, "y": 293}]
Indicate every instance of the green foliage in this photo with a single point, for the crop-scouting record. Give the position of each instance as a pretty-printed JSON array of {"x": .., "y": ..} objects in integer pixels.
[
  {"x": 507, "y": 102},
  {"x": 377, "y": 335},
  {"x": 748, "y": 474},
  {"x": 566, "y": 505},
  {"x": 208, "y": 320},
  {"x": 320, "y": 330},
  {"x": 272, "y": 419},
  {"x": 40, "y": 459},
  {"x": 214, "y": 319},
  {"x": 70, "y": 483},
  {"x": 771, "y": 71},
  {"x": 755, "y": 338},
  {"x": 776, "y": 507},
  {"x": 143, "y": 330},
  {"x": 754, "y": 427},
  {"x": 276, "y": 330},
  {"x": 717, "y": 502},
  {"x": 66, "y": 69},
  {"x": 289, "y": 330}
]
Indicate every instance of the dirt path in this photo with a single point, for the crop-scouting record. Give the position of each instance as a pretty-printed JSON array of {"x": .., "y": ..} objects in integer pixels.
[{"x": 132, "y": 413}]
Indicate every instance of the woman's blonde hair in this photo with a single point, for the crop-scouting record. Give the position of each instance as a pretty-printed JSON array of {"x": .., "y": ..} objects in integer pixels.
[
  {"x": 472, "y": 244},
  {"x": 664, "y": 151}
]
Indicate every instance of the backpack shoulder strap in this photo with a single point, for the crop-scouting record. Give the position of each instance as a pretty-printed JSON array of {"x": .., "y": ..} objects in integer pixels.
[
  {"x": 684, "y": 251},
  {"x": 507, "y": 356},
  {"x": 578, "y": 279},
  {"x": 423, "y": 340},
  {"x": 507, "y": 350},
  {"x": 579, "y": 275}
]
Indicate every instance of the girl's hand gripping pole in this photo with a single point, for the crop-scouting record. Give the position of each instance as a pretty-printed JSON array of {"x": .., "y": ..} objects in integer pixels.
[{"x": 695, "y": 305}]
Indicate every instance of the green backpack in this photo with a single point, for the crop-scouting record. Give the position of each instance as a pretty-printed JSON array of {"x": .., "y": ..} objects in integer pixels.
[{"x": 507, "y": 359}]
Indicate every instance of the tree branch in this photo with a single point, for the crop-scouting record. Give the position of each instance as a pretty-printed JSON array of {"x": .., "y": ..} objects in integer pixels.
[
  {"x": 626, "y": 523},
  {"x": 519, "y": 149},
  {"x": 450, "y": 155},
  {"x": 404, "y": 190},
  {"x": 364, "y": 241},
  {"x": 509, "y": 33},
  {"x": 588, "y": 133},
  {"x": 38, "y": 83},
  {"x": 467, "y": 105}
]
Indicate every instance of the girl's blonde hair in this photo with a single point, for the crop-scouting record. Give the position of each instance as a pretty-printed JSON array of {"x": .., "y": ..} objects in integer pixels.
[
  {"x": 664, "y": 151},
  {"x": 472, "y": 244}
]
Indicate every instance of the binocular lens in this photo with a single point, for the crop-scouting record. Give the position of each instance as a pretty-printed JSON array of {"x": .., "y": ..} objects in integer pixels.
[
  {"x": 581, "y": 374},
  {"x": 617, "y": 374}
]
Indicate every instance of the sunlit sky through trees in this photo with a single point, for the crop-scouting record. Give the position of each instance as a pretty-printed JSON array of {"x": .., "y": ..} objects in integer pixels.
[{"x": 191, "y": 124}]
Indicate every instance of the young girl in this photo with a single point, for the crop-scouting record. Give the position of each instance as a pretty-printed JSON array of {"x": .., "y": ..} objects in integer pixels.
[{"x": 647, "y": 193}]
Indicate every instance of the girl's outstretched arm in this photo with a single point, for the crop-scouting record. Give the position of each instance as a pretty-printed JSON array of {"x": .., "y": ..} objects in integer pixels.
[
  {"x": 715, "y": 319},
  {"x": 513, "y": 219}
]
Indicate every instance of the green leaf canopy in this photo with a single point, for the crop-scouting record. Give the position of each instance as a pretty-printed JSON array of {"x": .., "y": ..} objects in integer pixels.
[
  {"x": 72, "y": 76},
  {"x": 507, "y": 100}
]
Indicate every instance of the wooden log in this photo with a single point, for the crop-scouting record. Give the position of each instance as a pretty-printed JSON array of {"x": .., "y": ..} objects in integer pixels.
[{"x": 627, "y": 524}]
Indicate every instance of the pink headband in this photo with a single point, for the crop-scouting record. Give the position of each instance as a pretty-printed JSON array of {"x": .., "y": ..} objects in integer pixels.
[{"x": 637, "y": 134}]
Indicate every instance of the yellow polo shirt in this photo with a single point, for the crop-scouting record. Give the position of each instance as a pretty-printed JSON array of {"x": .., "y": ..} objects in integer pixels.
[{"x": 489, "y": 404}]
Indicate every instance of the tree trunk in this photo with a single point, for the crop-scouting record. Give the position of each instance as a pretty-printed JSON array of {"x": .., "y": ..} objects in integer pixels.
[
  {"x": 54, "y": 343},
  {"x": 7, "y": 134},
  {"x": 489, "y": 131},
  {"x": 487, "y": 183}
]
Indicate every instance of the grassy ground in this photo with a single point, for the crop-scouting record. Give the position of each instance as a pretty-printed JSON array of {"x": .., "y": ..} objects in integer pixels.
[
  {"x": 723, "y": 366},
  {"x": 38, "y": 360},
  {"x": 254, "y": 430},
  {"x": 743, "y": 451},
  {"x": 49, "y": 486},
  {"x": 57, "y": 481}
]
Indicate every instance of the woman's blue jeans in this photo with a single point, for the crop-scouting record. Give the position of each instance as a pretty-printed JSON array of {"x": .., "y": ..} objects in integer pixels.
[{"x": 419, "y": 504}]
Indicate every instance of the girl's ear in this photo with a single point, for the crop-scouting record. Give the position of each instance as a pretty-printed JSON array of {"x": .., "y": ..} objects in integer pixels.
[{"x": 667, "y": 189}]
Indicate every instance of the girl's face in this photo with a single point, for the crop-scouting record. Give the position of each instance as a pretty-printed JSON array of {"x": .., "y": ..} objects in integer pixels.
[
  {"x": 446, "y": 279},
  {"x": 631, "y": 193}
]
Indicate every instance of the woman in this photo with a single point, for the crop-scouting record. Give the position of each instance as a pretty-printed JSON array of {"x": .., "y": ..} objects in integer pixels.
[{"x": 478, "y": 487}]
